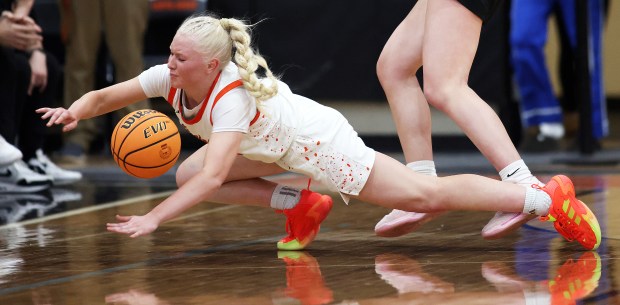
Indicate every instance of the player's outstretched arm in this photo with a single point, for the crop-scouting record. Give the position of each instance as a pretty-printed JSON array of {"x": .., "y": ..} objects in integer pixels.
[
  {"x": 220, "y": 156},
  {"x": 95, "y": 103}
]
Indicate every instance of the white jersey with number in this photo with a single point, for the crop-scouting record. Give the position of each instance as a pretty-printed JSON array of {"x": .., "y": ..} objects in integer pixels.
[{"x": 295, "y": 132}]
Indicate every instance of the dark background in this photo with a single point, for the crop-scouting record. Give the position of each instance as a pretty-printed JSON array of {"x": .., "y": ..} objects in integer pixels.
[{"x": 325, "y": 50}]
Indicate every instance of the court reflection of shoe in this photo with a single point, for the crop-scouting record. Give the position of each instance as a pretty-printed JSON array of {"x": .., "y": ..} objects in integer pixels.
[
  {"x": 304, "y": 281},
  {"x": 504, "y": 223},
  {"x": 576, "y": 279},
  {"x": 398, "y": 223},
  {"x": 303, "y": 222},
  {"x": 570, "y": 216},
  {"x": 9, "y": 264},
  {"x": 19, "y": 178},
  {"x": 64, "y": 195},
  {"x": 504, "y": 278},
  {"x": 18, "y": 207},
  {"x": 406, "y": 275}
]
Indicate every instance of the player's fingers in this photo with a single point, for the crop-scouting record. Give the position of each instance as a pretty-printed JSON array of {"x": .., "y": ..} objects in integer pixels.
[
  {"x": 53, "y": 116},
  {"x": 61, "y": 118},
  {"x": 47, "y": 114},
  {"x": 43, "y": 109},
  {"x": 113, "y": 229},
  {"x": 123, "y": 218}
]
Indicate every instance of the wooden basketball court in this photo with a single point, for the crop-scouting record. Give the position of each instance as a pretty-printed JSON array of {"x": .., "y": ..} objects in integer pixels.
[{"x": 60, "y": 253}]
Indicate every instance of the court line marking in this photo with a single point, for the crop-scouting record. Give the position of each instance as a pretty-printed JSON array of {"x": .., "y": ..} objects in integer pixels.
[
  {"x": 88, "y": 209},
  {"x": 218, "y": 209},
  {"x": 148, "y": 262},
  {"x": 110, "y": 205}
]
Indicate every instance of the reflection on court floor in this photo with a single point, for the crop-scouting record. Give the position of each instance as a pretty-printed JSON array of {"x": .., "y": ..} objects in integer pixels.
[{"x": 54, "y": 250}]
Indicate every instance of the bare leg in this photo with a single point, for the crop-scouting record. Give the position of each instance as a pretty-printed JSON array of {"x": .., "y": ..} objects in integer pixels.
[
  {"x": 400, "y": 59},
  {"x": 451, "y": 39},
  {"x": 450, "y": 43},
  {"x": 393, "y": 185},
  {"x": 244, "y": 185},
  {"x": 447, "y": 34}
]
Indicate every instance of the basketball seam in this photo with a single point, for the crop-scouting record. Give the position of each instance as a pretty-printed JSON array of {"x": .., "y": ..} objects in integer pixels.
[
  {"x": 150, "y": 167},
  {"x": 125, "y": 163},
  {"x": 120, "y": 147}
]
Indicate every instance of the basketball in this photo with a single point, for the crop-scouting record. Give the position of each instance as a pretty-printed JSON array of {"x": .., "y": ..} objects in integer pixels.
[{"x": 145, "y": 143}]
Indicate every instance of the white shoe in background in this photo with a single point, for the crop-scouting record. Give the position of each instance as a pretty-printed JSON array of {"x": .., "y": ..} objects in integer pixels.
[
  {"x": 8, "y": 153},
  {"x": 43, "y": 165},
  {"x": 19, "y": 178}
]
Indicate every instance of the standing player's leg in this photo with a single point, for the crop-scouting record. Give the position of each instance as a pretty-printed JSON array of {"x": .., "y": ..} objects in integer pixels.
[
  {"x": 398, "y": 63},
  {"x": 427, "y": 30},
  {"x": 450, "y": 44},
  {"x": 451, "y": 40}
]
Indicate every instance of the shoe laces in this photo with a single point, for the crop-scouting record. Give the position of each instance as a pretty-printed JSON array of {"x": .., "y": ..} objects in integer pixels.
[
  {"x": 569, "y": 228},
  {"x": 571, "y": 231},
  {"x": 287, "y": 225}
]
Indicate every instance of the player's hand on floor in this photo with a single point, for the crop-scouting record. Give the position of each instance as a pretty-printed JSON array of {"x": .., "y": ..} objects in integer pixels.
[{"x": 133, "y": 226}]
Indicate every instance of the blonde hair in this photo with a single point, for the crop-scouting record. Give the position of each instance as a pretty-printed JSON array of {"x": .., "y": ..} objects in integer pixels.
[{"x": 217, "y": 37}]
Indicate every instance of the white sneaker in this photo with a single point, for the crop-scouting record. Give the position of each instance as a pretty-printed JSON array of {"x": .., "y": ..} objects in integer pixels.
[
  {"x": 504, "y": 223},
  {"x": 19, "y": 178},
  {"x": 8, "y": 153},
  {"x": 43, "y": 165},
  {"x": 398, "y": 223}
]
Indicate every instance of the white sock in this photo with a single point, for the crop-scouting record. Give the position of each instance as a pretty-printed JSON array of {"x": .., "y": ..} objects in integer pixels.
[
  {"x": 537, "y": 202},
  {"x": 426, "y": 167},
  {"x": 552, "y": 130},
  {"x": 285, "y": 197},
  {"x": 517, "y": 172}
]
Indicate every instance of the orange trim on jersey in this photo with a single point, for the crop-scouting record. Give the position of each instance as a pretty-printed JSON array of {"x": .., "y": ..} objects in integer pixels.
[
  {"x": 202, "y": 107},
  {"x": 255, "y": 117},
  {"x": 219, "y": 95},
  {"x": 171, "y": 94}
]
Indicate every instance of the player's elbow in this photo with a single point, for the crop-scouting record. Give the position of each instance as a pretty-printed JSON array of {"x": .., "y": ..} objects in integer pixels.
[{"x": 213, "y": 180}]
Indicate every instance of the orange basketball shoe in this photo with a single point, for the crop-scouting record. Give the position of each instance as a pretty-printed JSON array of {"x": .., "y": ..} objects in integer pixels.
[
  {"x": 304, "y": 220},
  {"x": 575, "y": 279},
  {"x": 570, "y": 216}
]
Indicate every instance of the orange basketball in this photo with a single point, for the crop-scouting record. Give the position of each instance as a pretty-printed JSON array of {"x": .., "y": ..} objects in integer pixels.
[{"x": 145, "y": 143}]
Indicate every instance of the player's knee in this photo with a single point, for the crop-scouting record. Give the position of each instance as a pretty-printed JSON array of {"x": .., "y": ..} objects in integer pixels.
[
  {"x": 438, "y": 93},
  {"x": 393, "y": 72}
]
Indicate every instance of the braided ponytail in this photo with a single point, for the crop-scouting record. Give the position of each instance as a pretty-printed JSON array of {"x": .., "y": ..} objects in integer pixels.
[
  {"x": 248, "y": 61},
  {"x": 217, "y": 37}
]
